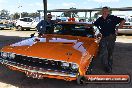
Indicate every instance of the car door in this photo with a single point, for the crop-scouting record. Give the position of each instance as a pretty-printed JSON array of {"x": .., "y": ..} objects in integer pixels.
[
  {"x": 27, "y": 22},
  {"x": 34, "y": 23}
]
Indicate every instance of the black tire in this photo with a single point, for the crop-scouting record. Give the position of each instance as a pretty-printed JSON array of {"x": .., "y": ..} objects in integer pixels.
[
  {"x": 81, "y": 80},
  {"x": 28, "y": 29},
  {"x": 20, "y": 28},
  {"x": 2, "y": 28}
]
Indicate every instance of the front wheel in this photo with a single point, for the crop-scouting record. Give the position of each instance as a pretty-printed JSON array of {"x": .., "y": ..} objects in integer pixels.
[
  {"x": 20, "y": 28},
  {"x": 81, "y": 80},
  {"x": 28, "y": 29}
]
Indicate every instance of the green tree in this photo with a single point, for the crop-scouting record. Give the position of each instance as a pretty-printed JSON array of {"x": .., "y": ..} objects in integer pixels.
[
  {"x": 4, "y": 13},
  {"x": 25, "y": 14},
  {"x": 16, "y": 15},
  {"x": 33, "y": 15},
  {"x": 70, "y": 14}
]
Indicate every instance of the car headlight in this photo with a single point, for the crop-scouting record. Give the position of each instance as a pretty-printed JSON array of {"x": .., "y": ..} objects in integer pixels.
[
  {"x": 11, "y": 55},
  {"x": 65, "y": 64},
  {"x": 4, "y": 54},
  {"x": 7, "y": 55},
  {"x": 74, "y": 66}
]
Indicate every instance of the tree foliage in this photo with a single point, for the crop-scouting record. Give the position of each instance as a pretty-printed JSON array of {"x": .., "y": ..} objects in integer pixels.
[
  {"x": 4, "y": 13},
  {"x": 16, "y": 15},
  {"x": 34, "y": 15},
  {"x": 70, "y": 14}
]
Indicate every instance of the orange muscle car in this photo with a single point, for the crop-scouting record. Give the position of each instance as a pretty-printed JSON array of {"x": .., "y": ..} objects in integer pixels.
[{"x": 65, "y": 54}]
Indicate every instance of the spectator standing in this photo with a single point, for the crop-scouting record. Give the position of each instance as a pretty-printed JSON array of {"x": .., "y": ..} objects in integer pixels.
[
  {"x": 107, "y": 26},
  {"x": 46, "y": 26}
]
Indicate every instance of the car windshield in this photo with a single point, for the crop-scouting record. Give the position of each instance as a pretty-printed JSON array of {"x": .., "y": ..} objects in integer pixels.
[
  {"x": 129, "y": 19},
  {"x": 26, "y": 19},
  {"x": 74, "y": 29}
]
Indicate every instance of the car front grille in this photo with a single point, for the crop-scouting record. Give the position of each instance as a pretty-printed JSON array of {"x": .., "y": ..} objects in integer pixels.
[{"x": 45, "y": 64}]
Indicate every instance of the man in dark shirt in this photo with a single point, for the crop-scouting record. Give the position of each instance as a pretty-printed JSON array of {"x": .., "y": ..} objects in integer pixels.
[
  {"x": 46, "y": 26},
  {"x": 108, "y": 31}
]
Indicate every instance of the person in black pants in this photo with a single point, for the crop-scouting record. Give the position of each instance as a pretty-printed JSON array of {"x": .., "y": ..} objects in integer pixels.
[{"x": 107, "y": 25}]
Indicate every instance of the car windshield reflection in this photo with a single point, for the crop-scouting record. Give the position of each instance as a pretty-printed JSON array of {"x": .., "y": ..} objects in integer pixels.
[{"x": 74, "y": 30}]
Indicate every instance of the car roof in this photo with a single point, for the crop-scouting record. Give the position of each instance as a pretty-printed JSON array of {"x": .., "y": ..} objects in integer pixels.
[
  {"x": 24, "y": 17},
  {"x": 74, "y": 22}
]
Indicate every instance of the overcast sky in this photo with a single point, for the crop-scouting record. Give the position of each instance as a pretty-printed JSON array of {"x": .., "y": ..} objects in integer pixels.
[{"x": 34, "y": 5}]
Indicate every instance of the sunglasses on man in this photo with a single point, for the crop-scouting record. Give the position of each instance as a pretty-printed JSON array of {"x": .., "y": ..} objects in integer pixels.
[{"x": 49, "y": 17}]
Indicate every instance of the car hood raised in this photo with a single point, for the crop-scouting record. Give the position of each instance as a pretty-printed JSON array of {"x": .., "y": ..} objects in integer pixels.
[{"x": 56, "y": 47}]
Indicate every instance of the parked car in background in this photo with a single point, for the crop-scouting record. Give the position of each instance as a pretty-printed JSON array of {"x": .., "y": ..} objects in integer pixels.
[
  {"x": 126, "y": 29},
  {"x": 2, "y": 26},
  {"x": 26, "y": 23},
  {"x": 6, "y": 26},
  {"x": 65, "y": 54},
  {"x": 9, "y": 26}
]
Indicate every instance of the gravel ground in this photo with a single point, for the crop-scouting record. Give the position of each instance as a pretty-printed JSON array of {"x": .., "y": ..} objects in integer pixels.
[{"x": 14, "y": 79}]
